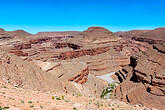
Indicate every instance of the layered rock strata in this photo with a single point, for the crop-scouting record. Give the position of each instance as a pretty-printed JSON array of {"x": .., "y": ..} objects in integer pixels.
[{"x": 143, "y": 80}]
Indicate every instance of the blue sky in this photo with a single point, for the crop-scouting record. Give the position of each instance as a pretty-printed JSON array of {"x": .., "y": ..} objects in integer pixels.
[{"x": 63, "y": 15}]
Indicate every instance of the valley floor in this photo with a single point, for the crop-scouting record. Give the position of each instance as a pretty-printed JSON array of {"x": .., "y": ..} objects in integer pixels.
[{"x": 23, "y": 99}]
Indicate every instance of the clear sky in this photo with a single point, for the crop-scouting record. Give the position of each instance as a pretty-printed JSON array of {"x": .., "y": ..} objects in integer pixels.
[{"x": 62, "y": 15}]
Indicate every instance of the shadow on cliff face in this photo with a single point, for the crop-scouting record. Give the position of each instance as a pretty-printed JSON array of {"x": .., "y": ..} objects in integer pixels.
[
  {"x": 142, "y": 81},
  {"x": 133, "y": 63}
]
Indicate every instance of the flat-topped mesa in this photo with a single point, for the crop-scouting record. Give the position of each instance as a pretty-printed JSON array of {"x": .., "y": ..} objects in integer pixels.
[
  {"x": 58, "y": 34},
  {"x": 97, "y": 35},
  {"x": 156, "y": 34}
]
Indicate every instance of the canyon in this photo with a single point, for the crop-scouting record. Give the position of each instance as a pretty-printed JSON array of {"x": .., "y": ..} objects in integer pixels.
[{"x": 72, "y": 62}]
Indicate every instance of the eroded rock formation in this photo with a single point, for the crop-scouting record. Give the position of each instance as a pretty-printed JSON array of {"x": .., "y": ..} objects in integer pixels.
[
  {"x": 70, "y": 61},
  {"x": 143, "y": 80},
  {"x": 25, "y": 74}
]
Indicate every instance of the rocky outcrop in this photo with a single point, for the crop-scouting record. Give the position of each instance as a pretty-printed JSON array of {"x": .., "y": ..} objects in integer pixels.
[
  {"x": 79, "y": 53},
  {"x": 129, "y": 34},
  {"x": 160, "y": 47},
  {"x": 148, "y": 40},
  {"x": 75, "y": 77},
  {"x": 2, "y": 38},
  {"x": 150, "y": 36},
  {"x": 23, "y": 46},
  {"x": 91, "y": 52},
  {"x": 70, "y": 45},
  {"x": 143, "y": 80},
  {"x": 40, "y": 40},
  {"x": 141, "y": 40},
  {"x": 18, "y": 52},
  {"x": 80, "y": 78}
]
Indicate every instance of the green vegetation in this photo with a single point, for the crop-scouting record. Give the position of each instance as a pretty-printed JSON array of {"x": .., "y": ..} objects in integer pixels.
[
  {"x": 67, "y": 100},
  {"x": 31, "y": 106},
  {"x": 109, "y": 105},
  {"x": 98, "y": 104},
  {"x": 16, "y": 86},
  {"x": 11, "y": 98},
  {"x": 41, "y": 107},
  {"x": 2, "y": 92},
  {"x": 108, "y": 89},
  {"x": 3, "y": 108},
  {"x": 58, "y": 98},
  {"x": 90, "y": 101},
  {"x": 30, "y": 102},
  {"x": 78, "y": 95},
  {"x": 22, "y": 101},
  {"x": 53, "y": 97},
  {"x": 63, "y": 97},
  {"x": 75, "y": 108}
]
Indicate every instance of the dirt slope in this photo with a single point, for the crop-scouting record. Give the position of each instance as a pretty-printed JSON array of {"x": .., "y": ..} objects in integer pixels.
[
  {"x": 25, "y": 74},
  {"x": 24, "y": 99}
]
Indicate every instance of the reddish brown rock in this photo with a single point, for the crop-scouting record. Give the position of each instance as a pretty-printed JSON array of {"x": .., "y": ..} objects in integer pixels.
[
  {"x": 18, "y": 52},
  {"x": 143, "y": 82},
  {"x": 62, "y": 45},
  {"x": 21, "y": 34},
  {"x": 102, "y": 53},
  {"x": 23, "y": 46},
  {"x": 80, "y": 78},
  {"x": 160, "y": 48},
  {"x": 2, "y": 30},
  {"x": 25, "y": 74},
  {"x": 40, "y": 40},
  {"x": 79, "y": 53},
  {"x": 95, "y": 35},
  {"x": 141, "y": 40},
  {"x": 149, "y": 36}
]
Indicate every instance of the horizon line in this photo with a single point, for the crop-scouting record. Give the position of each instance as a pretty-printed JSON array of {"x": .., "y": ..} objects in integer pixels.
[{"x": 37, "y": 29}]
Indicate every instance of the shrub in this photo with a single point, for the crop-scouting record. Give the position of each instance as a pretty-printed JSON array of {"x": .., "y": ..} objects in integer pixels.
[
  {"x": 58, "y": 98},
  {"x": 30, "y": 102},
  {"x": 108, "y": 89},
  {"x": 41, "y": 106},
  {"x": 75, "y": 108},
  {"x": 63, "y": 97},
  {"x": 53, "y": 97},
  {"x": 3, "y": 108}
]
